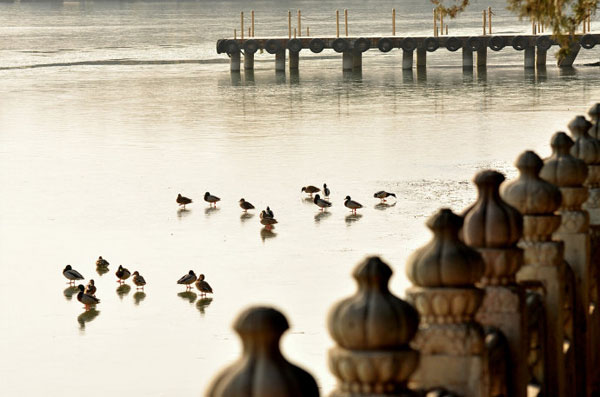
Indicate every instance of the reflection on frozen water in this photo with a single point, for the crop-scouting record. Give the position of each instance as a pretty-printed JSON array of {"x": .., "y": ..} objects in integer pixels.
[
  {"x": 384, "y": 206},
  {"x": 87, "y": 317},
  {"x": 202, "y": 304},
  {"x": 352, "y": 218},
  {"x": 138, "y": 297},
  {"x": 189, "y": 296},
  {"x": 70, "y": 291},
  {"x": 309, "y": 200},
  {"x": 246, "y": 216},
  {"x": 321, "y": 215},
  {"x": 101, "y": 270},
  {"x": 181, "y": 213},
  {"x": 210, "y": 210},
  {"x": 123, "y": 290},
  {"x": 267, "y": 234}
]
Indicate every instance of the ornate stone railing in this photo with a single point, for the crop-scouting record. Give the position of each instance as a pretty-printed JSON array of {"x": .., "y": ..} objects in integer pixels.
[{"x": 505, "y": 298}]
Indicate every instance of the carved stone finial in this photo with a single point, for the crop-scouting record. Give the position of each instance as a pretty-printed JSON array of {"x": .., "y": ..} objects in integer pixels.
[
  {"x": 586, "y": 147},
  {"x": 260, "y": 329},
  {"x": 373, "y": 329},
  {"x": 445, "y": 261},
  {"x": 561, "y": 168},
  {"x": 594, "y": 113},
  {"x": 491, "y": 222},
  {"x": 535, "y": 198}
]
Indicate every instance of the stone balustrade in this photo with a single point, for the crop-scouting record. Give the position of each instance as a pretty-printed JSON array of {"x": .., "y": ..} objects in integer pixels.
[{"x": 505, "y": 297}]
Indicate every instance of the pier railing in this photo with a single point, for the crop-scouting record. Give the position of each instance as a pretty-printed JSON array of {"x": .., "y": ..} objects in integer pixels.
[
  {"x": 504, "y": 302},
  {"x": 534, "y": 48}
]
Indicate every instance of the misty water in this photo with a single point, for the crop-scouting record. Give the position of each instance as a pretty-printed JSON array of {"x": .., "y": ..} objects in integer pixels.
[{"x": 108, "y": 110}]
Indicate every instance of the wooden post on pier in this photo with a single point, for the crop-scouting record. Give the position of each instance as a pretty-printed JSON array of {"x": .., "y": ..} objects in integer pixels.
[
  {"x": 289, "y": 24},
  {"x": 294, "y": 32},
  {"x": 252, "y": 23},
  {"x": 441, "y": 23},
  {"x": 337, "y": 23},
  {"x": 299, "y": 23},
  {"x": 235, "y": 34},
  {"x": 346, "y": 20},
  {"x": 484, "y": 19},
  {"x": 589, "y": 18},
  {"x": 242, "y": 24},
  {"x": 393, "y": 21},
  {"x": 435, "y": 22},
  {"x": 446, "y": 29},
  {"x": 308, "y": 31},
  {"x": 490, "y": 20},
  {"x": 249, "y": 31}
]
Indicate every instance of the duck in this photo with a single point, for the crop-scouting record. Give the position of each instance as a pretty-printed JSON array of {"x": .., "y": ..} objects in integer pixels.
[
  {"x": 72, "y": 274},
  {"x": 123, "y": 274},
  {"x": 188, "y": 279},
  {"x": 182, "y": 200},
  {"x": 86, "y": 299},
  {"x": 321, "y": 203},
  {"x": 353, "y": 205},
  {"x": 269, "y": 213},
  {"x": 266, "y": 220},
  {"x": 102, "y": 262},
  {"x": 90, "y": 289},
  {"x": 203, "y": 286},
  {"x": 382, "y": 194},
  {"x": 310, "y": 189},
  {"x": 211, "y": 199},
  {"x": 138, "y": 280},
  {"x": 326, "y": 190},
  {"x": 245, "y": 205}
]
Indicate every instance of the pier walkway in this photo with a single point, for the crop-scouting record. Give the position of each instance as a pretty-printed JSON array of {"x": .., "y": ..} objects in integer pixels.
[{"x": 534, "y": 47}]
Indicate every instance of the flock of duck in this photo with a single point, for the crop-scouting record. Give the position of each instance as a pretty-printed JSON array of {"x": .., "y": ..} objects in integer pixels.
[
  {"x": 267, "y": 218},
  {"x": 87, "y": 294}
]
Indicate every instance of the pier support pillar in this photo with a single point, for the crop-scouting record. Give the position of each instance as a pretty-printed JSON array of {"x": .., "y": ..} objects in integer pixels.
[
  {"x": 356, "y": 60},
  {"x": 467, "y": 58},
  {"x": 568, "y": 60},
  {"x": 347, "y": 60},
  {"x": 482, "y": 57},
  {"x": 294, "y": 60},
  {"x": 529, "y": 61},
  {"x": 280, "y": 61},
  {"x": 234, "y": 62},
  {"x": 248, "y": 61},
  {"x": 540, "y": 58},
  {"x": 407, "y": 60},
  {"x": 421, "y": 57}
]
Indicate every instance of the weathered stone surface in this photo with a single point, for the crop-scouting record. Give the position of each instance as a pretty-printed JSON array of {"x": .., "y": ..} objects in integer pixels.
[
  {"x": 445, "y": 305},
  {"x": 594, "y": 113},
  {"x": 501, "y": 265},
  {"x": 262, "y": 370},
  {"x": 585, "y": 147},
  {"x": 561, "y": 168},
  {"x": 445, "y": 260},
  {"x": 540, "y": 227},
  {"x": 491, "y": 222}
]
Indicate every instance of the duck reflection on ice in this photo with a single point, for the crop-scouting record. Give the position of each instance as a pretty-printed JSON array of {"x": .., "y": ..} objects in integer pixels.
[
  {"x": 123, "y": 290},
  {"x": 189, "y": 296},
  {"x": 182, "y": 212},
  {"x": 101, "y": 270},
  {"x": 70, "y": 291},
  {"x": 384, "y": 206},
  {"x": 321, "y": 215},
  {"x": 202, "y": 304},
  {"x": 86, "y": 317},
  {"x": 246, "y": 216},
  {"x": 350, "y": 219},
  {"x": 267, "y": 234},
  {"x": 210, "y": 210},
  {"x": 138, "y": 297}
]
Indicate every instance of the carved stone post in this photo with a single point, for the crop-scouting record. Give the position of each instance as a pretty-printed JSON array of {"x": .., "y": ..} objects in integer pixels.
[
  {"x": 587, "y": 148},
  {"x": 537, "y": 200},
  {"x": 493, "y": 228},
  {"x": 569, "y": 173},
  {"x": 372, "y": 330},
  {"x": 594, "y": 113},
  {"x": 452, "y": 346},
  {"x": 262, "y": 370}
]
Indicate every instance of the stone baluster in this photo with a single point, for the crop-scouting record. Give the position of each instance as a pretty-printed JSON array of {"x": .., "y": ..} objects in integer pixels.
[
  {"x": 451, "y": 343},
  {"x": 569, "y": 173},
  {"x": 262, "y": 370},
  {"x": 537, "y": 200},
  {"x": 493, "y": 228},
  {"x": 372, "y": 330}
]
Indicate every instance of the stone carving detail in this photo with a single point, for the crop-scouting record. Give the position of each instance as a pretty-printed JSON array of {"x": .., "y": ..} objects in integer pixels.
[
  {"x": 500, "y": 300},
  {"x": 594, "y": 113},
  {"x": 452, "y": 339},
  {"x": 561, "y": 168},
  {"x": 262, "y": 370},
  {"x": 530, "y": 194},
  {"x": 445, "y": 260},
  {"x": 491, "y": 222},
  {"x": 585, "y": 148},
  {"x": 373, "y": 329},
  {"x": 546, "y": 253}
]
